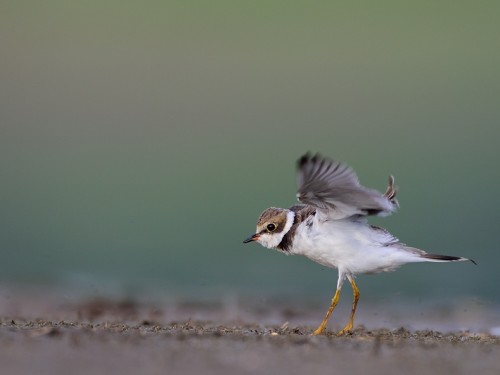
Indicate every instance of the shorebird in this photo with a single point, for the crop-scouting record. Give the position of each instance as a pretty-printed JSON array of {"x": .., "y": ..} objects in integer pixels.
[{"x": 331, "y": 228}]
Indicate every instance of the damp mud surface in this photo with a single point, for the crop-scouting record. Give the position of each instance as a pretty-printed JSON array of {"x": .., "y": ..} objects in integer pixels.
[{"x": 100, "y": 336}]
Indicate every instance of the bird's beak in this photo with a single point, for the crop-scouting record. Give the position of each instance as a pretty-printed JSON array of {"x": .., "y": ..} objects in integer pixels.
[{"x": 253, "y": 237}]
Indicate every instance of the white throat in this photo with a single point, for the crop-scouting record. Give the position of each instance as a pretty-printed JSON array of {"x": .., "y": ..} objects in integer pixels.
[{"x": 272, "y": 240}]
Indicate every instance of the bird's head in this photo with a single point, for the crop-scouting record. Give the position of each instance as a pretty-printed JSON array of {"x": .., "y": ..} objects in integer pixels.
[{"x": 272, "y": 226}]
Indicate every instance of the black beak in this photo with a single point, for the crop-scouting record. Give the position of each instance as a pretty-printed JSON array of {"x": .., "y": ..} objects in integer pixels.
[{"x": 253, "y": 237}]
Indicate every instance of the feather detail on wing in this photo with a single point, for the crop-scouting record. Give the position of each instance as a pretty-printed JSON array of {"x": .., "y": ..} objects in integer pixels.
[{"x": 334, "y": 189}]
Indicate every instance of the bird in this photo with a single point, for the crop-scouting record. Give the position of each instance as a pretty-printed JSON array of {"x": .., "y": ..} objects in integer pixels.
[{"x": 330, "y": 226}]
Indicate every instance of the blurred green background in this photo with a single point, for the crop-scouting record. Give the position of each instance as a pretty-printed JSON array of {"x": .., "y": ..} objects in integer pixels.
[{"x": 141, "y": 140}]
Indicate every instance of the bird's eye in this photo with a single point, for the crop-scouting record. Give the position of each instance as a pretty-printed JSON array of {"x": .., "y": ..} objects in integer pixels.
[{"x": 271, "y": 227}]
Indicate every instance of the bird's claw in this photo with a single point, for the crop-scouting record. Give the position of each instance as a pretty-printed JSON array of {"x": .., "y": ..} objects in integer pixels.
[
  {"x": 319, "y": 331},
  {"x": 345, "y": 331}
]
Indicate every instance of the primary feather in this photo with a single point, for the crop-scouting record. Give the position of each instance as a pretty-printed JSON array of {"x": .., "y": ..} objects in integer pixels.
[{"x": 334, "y": 189}]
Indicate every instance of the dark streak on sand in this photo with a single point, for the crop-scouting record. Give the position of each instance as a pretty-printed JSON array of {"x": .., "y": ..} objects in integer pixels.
[{"x": 190, "y": 329}]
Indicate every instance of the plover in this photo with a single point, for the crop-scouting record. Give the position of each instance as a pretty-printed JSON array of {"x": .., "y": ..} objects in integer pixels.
[{"x": 330, "y": 227}]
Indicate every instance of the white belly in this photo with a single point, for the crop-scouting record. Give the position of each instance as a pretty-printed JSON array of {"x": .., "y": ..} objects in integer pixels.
[{"x": 350, "y": 246}]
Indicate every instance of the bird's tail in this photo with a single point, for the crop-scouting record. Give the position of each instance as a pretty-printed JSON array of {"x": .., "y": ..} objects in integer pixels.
[{"x": 445, "y": 258}]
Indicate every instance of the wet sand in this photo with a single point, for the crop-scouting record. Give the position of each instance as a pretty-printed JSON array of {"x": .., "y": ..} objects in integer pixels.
[{"x": 105, "y": 336}]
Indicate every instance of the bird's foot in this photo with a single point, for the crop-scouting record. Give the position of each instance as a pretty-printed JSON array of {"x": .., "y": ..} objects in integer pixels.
[
  {"x": 346, "y": 330},
  {"x": 319, "y": 331}
]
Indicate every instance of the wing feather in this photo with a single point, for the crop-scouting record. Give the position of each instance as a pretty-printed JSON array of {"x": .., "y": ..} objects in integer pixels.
[{"x": 334, "y": 189}]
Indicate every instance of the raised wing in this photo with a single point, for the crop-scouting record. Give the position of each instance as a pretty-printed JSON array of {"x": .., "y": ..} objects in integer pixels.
[{"x": 334, "y": 189}]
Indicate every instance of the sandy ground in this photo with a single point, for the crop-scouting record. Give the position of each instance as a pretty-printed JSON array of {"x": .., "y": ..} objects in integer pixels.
[{"x": 42, "y": 335}]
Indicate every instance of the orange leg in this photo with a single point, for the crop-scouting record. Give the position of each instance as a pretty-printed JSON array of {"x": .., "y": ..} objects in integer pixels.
[
  {"x": 322, "y": 327},
  {"x": 355, "y": 292}
]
